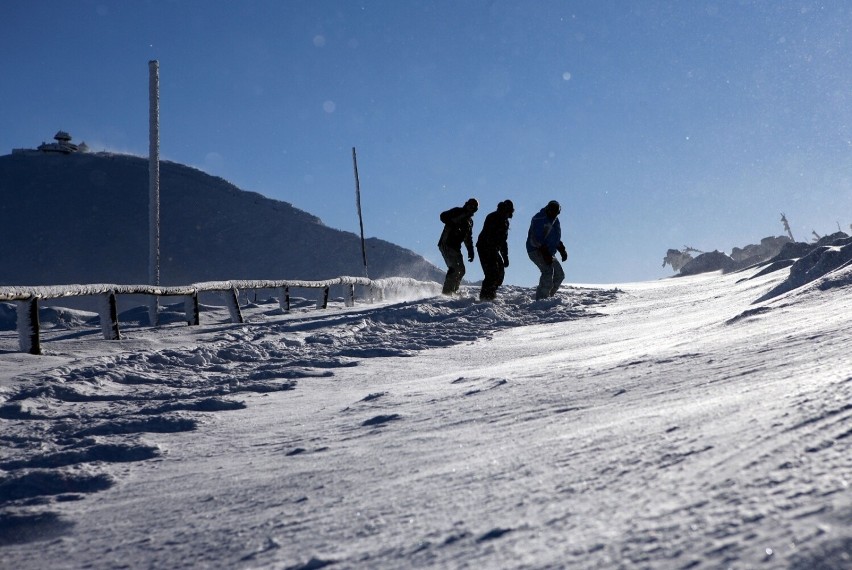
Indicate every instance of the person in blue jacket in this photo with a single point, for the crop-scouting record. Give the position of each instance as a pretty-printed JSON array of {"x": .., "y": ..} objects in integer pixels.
[{"x": 543, "y": 241}]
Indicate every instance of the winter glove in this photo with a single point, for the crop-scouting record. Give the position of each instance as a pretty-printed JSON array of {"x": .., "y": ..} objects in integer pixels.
[
  {"x": 545, "y": 254},
  {"x": 470, "y": 255},
  {"x": 506, "y": 261},
  {"x": 562, "y": 253}
]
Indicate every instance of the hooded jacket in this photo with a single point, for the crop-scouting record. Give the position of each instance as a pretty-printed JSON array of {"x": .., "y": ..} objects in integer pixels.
[
  {"x": 495, "y": 233},
  {"x": 458, "y": 229},
  {"x": 544, "y": 232}
]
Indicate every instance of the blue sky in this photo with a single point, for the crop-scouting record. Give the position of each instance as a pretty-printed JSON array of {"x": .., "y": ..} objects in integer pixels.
[{"x": 655, "y": 124}]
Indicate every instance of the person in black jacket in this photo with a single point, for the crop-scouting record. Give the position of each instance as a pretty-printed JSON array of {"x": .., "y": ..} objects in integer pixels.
[
  {"x": 458, "y": 229},
  {"x": 493, "y": 249}
]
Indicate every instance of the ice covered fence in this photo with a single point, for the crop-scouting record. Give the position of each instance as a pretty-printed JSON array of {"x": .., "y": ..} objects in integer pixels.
[{"x": 27, "y": 298}]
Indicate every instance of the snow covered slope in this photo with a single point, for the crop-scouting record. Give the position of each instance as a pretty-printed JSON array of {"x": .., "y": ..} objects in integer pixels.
[{"x": 672, "y": 424}]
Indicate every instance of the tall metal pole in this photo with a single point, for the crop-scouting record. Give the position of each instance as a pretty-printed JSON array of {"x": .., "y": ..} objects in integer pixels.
[
  {"x": 154, "y": 185},
  {"x": 360, "y": 217}
]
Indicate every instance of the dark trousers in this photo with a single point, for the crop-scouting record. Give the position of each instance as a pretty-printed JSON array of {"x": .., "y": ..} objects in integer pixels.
[
  {"x": 551, "y": 278},
  {"x": 492, "y": 267},
  {"x": 455, "y": 268}
]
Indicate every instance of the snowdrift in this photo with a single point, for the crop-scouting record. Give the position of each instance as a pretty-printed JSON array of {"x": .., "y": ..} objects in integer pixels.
[{"x": 682, "y": 423}]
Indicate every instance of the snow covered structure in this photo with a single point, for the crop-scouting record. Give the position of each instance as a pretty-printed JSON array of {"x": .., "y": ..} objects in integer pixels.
[{"x": 63, "y": 145}]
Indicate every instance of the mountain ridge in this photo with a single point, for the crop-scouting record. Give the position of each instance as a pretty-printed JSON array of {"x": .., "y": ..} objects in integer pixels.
[{"x": 83, "y": 218}]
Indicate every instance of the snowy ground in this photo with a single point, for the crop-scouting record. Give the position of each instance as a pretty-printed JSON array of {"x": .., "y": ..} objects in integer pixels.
[{"x": 671, "y": 424}]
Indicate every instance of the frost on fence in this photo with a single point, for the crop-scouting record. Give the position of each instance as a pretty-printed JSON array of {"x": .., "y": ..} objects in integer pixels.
[
  {"x": 20, "y": 293},
  {"x": 392, "y": 285},
  {"x": 27, "y": 298}
]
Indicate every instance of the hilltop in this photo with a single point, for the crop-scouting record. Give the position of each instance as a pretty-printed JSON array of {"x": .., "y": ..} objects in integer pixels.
[{"x": 83, "y": 218}]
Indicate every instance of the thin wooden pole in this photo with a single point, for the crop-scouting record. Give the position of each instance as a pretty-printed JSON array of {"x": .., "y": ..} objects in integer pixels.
[
  {"x": 154, "y": 185},
  {"x": 360, "y": 217}
]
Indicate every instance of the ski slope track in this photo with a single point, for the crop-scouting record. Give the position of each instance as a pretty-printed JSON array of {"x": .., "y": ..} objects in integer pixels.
[{"x": 688, "y": 423}]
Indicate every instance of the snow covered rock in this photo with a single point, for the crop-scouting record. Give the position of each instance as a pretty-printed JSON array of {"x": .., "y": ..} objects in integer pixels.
[{"x": 706, "y": 262}]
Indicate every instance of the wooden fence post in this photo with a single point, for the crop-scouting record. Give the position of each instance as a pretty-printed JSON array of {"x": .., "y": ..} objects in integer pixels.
[
  {"x": 190, "y": 306},
  {"x": 109, "y": 317},
  {"x": 232, "y": 299},
  {"x": 350, "y": 300},
  {"x": 325, "y": 297},
  {"x": 154, "y": 311},
  {"x": 28, "y": 326},
  {"x": 284, "y": 300}
]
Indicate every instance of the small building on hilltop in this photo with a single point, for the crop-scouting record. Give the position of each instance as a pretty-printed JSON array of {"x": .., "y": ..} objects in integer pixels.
[{"x": 63, "y": 145}]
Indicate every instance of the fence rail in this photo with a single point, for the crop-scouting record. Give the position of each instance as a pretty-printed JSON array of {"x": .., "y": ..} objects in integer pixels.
[{"x": 27, "y": 299}]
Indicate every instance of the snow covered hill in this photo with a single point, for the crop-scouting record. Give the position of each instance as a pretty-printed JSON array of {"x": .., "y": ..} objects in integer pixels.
[
  {"x": 83, "y": 218},
  {"x": 700, "y": 422}
]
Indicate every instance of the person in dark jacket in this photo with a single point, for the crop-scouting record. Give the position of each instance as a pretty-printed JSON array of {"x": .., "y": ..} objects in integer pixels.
[
  {"x": 493, "y": 249},
  {"x": 458, "y": 229},
  {"x": 543, "y": 241}
]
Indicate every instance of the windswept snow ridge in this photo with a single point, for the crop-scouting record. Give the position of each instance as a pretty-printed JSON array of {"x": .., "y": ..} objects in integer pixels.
[{"x": 827, "y": 265}]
